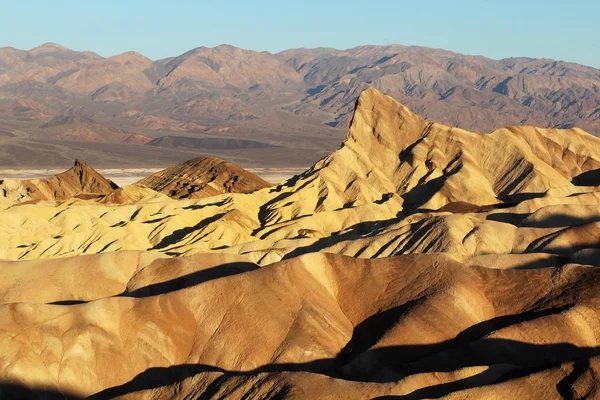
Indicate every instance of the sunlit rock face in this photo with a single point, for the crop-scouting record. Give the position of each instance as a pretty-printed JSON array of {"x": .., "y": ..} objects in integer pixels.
[{"x": 417, "y": 261}]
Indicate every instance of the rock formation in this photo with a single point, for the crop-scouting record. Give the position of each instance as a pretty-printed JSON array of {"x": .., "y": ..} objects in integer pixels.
[
  {"x": 81, "y": 179},
  {"x": 320, "y": 325},
  {"x": 203, "y": 177},
  {"x": 417, "y": 261}
]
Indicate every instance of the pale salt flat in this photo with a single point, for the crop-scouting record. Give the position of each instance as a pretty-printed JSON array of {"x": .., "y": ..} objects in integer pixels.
[{"x": 128, "y": 176}]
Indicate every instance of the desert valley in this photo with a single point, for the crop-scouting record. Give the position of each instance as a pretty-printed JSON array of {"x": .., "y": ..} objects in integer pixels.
[
  {"x": 306, "y": 212},
  {"x": 291, "y": 108},
  {"x": 418, "y": 260}
]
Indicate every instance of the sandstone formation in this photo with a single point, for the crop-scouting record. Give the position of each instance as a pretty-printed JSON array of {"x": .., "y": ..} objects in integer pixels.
[
  {"x": 398, "y": 185},
  {"x": 320, "y": 325},
  {"x": 416, "y": 261},
  {"x": 81, "y": 179},
  {"x": 203, "y": 177}
]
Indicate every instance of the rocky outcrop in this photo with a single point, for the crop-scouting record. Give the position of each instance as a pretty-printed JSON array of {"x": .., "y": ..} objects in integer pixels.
[
  {"x": 417, "y": 261},
  {"x": 203, "y": 177},
  {"x": 321, "y": 325},
  {"x": 81, "y": 179}
]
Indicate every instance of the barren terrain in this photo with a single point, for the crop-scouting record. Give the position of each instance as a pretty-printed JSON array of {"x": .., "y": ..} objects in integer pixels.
[
  {"x": 416, "y": 261},
  {"x": 290, "y": 108}
]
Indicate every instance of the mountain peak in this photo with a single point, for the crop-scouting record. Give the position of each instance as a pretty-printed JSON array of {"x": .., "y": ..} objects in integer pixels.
[
  {"x": 80, "y": 164},
  {"x": 89, "y": 180},
  {"x": 203, "y": 177},
  {"x": 48, "y": 47},
  {"x": 131, "y": 57},
  {"x": 377, "y": 121}
]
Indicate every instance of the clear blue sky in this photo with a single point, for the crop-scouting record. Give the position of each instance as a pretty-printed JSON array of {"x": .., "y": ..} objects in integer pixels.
[{"x": 566, "y": 29}]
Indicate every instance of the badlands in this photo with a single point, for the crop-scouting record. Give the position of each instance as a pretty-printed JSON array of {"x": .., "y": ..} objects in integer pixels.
[{"x": 416, "y": 261}]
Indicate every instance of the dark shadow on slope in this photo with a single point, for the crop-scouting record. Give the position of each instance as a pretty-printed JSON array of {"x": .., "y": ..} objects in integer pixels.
[
  {"x": 462, "y": 207},
  {"x": 15, "y": 391},
  {"x": 67, "y": 302},
  {"x": 193, "y": 279},
  {"x": 154, "y": 378},
  {"x": 560, "y": 221},
  {"x": 553, "y": 261},
  {"x": 508, "y": 218},
  {"x": 362, "y": 229},
  {"x": 507, "y": 359},
  {"x": 424, "y": 191},
  {"x": 181, "y": 282},
  {"x": 405, "y": 359},
  {"x": 179, "y": 234},
  {"x": 519, "y": 197},
  {"x": 220, "y": 203},
  {"x": 544, "y": 244},
  {"x": 315, "y": 90},
  {"x": 564, "y": 387},
  {"x": 588, "y": 178},
  {"x": 369, "y": 332}
]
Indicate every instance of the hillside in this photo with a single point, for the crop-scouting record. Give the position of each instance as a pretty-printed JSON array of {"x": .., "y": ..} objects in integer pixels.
[
  {"x": 472, "y": 92},
  {"x": 203, "y": 177},
  {"x": 78, "y": 180},
  {"x": 396, "y": 179},
  {"x": 416, "y": 261},
  {"x": 301, "y": 99}
]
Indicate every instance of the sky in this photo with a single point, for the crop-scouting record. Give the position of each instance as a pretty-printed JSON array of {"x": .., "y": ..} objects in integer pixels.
[{"x": 563, "y": 30}]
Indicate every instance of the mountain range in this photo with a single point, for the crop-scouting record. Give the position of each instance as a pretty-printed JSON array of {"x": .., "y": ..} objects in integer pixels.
[
  {"x": 298, "y": 102},
  {"x": 418, "y": 260}
]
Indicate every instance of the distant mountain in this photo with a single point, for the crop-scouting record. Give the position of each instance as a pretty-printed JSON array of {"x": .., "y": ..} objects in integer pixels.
[
  {"x": 226, "y": 66},
  {"x": 83, "y": 128},
  {"x": 469, "y": 91},
  {"x": 301, "y": 98}
]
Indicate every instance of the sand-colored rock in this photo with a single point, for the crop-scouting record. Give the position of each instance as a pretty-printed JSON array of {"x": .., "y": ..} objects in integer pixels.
[
  {"x": 417, "y": 261},
  {"x": 423, "y": 325},
  {"x": 81, "y": 179},
  {"x": 398, "y": 185}
]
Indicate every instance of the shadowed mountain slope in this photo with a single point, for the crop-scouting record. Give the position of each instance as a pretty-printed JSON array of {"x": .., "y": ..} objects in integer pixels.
[
  {"x": 416, "y": 261},
  {"x": 415, "y": 326}
]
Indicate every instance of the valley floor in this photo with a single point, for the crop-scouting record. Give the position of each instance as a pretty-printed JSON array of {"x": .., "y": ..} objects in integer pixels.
[{"x": 129, "y": 176}]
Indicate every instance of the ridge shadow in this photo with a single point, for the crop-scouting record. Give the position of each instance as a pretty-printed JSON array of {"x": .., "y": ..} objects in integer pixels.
[
  {"x": 193, "y": 279},
  {"x": 506, "y": 359}
]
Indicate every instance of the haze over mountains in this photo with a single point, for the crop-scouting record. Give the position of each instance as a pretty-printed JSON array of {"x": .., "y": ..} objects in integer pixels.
[
  {"x": 292, "y": 107},
  {"x": 416, "y": 261}
]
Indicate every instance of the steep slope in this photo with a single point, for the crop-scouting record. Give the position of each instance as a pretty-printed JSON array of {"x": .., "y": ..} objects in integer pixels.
[
  {"x": 398, "y": 185},
  {"x": 126, "y": 69},
  {"x": 325, "y": 325},
  {"x": 203, "y": 177},
  {"x": 78, "y": 180}
]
